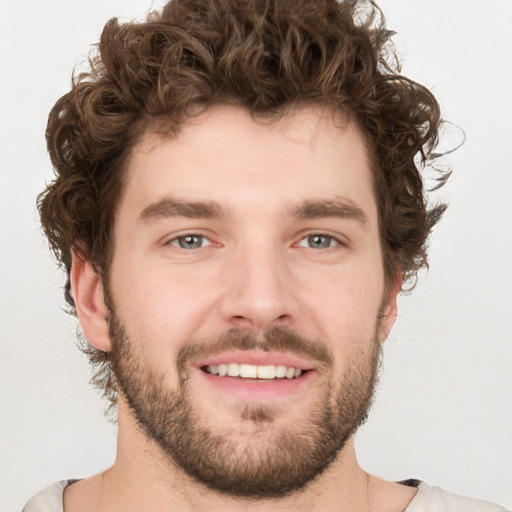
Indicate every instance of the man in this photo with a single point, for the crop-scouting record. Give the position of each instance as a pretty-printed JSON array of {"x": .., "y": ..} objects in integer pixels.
[{"x": 237, "y": 205}]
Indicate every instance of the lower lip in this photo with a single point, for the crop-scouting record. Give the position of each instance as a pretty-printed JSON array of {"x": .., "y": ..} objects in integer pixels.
[{"x": 258, "y": 390}]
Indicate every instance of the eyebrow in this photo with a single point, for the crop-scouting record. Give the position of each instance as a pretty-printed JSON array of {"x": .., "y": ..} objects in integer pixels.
[
  {"x": 310, "y": 209},
  {"x": 321, "y": 208},
  {"x": 173, "y": 207}
]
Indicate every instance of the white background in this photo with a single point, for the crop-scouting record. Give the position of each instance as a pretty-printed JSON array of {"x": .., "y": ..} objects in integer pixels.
[{"x": 444, "y": 408}]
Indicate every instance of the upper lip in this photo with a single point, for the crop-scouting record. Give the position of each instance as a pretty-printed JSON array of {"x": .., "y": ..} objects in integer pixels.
[{"x": 257, "y": 358}]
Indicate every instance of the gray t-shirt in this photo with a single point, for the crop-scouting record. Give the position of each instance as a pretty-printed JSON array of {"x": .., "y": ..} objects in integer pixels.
[{"x": 427, "y": 499}]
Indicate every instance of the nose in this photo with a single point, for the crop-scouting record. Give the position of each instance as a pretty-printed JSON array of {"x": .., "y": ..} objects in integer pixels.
[{"x": 259, "y": 291}]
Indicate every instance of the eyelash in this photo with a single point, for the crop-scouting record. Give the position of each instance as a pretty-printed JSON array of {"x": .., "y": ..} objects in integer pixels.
[
  {"x": 176, "y": 242},
  {"x": 332, "y": 241}
]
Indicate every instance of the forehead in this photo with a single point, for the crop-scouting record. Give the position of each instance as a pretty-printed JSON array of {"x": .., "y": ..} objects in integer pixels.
[{"x": 228, "y": 156}]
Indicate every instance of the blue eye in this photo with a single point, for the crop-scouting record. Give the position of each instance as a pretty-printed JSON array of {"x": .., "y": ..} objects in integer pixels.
[
  {"x": 318, "y": 241},
  {"x": 189, "y": 241}
]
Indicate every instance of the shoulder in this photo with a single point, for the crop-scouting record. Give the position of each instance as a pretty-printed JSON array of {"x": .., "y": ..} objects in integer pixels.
[
  {"x": 434, "y": 499},
  {"x": 49, "y": 499}
]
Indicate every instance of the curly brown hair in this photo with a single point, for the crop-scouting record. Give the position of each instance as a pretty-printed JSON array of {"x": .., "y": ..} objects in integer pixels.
[{"x": 266, "y": 56}]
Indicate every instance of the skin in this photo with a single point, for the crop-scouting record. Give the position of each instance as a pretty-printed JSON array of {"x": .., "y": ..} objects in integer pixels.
[{"x": 255, "y": 270}]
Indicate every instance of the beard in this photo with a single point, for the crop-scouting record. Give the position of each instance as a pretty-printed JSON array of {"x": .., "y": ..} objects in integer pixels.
[{"x": 256, "y": 458}]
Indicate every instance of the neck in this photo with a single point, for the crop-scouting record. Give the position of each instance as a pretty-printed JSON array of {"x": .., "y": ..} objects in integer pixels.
[{"x": 142, "y": 478}]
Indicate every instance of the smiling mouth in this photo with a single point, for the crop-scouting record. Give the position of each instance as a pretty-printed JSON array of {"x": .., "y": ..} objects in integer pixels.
[{"x": 254, "y": 372}]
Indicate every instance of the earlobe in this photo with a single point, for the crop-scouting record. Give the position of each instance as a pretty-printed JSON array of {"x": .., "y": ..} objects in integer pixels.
[
  {"x": 87, "y": 293},
  {"x": 390, "y": 310}
]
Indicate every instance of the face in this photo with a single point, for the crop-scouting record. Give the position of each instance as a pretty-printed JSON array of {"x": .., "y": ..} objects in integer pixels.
[{"x": 247, "y": 294}]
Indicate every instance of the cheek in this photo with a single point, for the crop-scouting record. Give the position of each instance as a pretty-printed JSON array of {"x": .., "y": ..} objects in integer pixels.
[
  {"x": 160, "y": 307},
  {"x": 344, "y": 305}
]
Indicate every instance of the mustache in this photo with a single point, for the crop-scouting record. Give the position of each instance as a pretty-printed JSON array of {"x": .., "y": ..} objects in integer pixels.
[{"x": 278, "y": 339}]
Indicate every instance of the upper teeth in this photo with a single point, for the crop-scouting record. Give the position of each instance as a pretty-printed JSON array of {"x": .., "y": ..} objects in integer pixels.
[{"x": 252, "y": 371}]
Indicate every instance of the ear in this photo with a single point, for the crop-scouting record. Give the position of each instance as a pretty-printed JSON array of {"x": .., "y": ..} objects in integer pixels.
[
  {"x": 87, "y": 293},
  {"x": 389, "y": 310}
]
